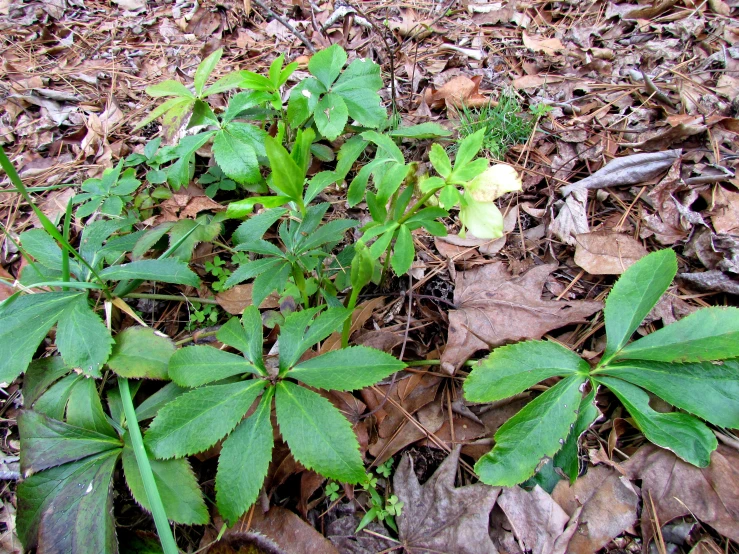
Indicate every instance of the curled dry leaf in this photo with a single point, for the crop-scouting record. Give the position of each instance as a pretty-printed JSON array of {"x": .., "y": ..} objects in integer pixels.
[
  {"x": 438, "y": 517},
  {"x": 494, "y": 308},
  {"x": 679, "y": 489},
  {"x": 609, "y": 503},
  {"x": 572, "y": 219},
  {"x": 548, "y": 46},
  {"x": 457, "y": 92},
  {"x": 607, "y": 253},
  {"x": 236, "y": 299},
  {"x": 663, "y": 139}
]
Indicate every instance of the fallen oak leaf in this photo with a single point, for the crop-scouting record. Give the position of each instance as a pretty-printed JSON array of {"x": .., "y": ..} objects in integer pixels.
[
  {"x": 458, "y": 92},
  {"x": 606, "y": 252},
  {"x": 437, "y": 516},
  {"x": 494, "y": 308}
]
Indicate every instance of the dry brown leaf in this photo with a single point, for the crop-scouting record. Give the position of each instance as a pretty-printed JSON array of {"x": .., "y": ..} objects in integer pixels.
[
  {"x": 712, "y": 281},
  {"x": 537, "y": 43},
  {"x": 54, "y": 205},
  {"x": 663, "y": 139},
  {"x": 679, "y": 489},
  {"x": 381, "y": 340},
  {"x": 720, "y": 7},
  {"x": 606, "y": 252},
  {"x": 725, "y": 216},
  {"x": 535, "y": 81},
  {"x": 236, "y": 299},
  {"x": 494, "y": 308},
  {"x": 537, "y": 520},
  {"x": 609, "y": 503},
  {"x": 359, "y": 317},
  {"x": 186, "y": 203},
  {"x": 411, "y": 25},
  {"x": 457, "y": 92},
  {"x": 649, "y": 11},
  {"x": 437, "y": 517},
  {"x": 572, "y": 219}
]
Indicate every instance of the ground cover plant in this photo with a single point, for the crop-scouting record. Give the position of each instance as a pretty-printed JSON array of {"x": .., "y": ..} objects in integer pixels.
[{"x": 354, "y": 295}]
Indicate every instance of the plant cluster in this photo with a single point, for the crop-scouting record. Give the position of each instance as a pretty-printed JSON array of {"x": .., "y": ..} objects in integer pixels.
[{"x": 263, "y": 151}]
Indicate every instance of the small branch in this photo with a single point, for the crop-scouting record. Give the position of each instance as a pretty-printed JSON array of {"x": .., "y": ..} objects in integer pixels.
[{"x": 287, "y": 25}]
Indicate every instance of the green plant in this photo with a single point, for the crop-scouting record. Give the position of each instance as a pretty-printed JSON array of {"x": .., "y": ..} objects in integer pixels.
[
  {"x": 226, "y": 385},
  {"x": 690, "y": 364},
  {"x": 332, "y": 491},
  {"x": 383, "y": 509},
  {"x": 108, "y": 194},
  {"x": 501, "y": 124},
  {"x": 201, "y": 313},
  {"x": 216, "y": 180}
]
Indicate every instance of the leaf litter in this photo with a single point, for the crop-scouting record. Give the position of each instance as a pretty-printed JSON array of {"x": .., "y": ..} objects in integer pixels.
[{"x": 638, "y": 150}]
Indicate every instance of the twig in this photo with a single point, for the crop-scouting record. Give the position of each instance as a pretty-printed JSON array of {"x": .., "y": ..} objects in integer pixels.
[{"x": 287, "y": 25}]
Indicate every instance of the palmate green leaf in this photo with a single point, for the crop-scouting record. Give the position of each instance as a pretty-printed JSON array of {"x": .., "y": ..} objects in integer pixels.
[
  {"x": 242, "y": 208},
  {"x": 23, "y": 325},
  {"x": 39, "y": 244},
  {"x": 318, "y": 435},
  {"x": 252, "y": 269},
  {"x": 239, "y": 480},
  {"x": 47, "y": 442},
  {"x": 537, "y": 431},
  {"x": 236, "y": 148},
  {"x": 196, "y": 420},
  {"x": 567, "y": 459},
  {"x": 303, "y": 100},
  {"x": 361, "y": 74},
  {"x": 514, "y": 368},
  {"x": 705, "y": 335},
  {"x": 683, "y": 434},
  {"x": 707, "y": 390},
  {"x": 331, "y": 116},
  {"x": 242, "y": 102},
  {"x": 262, "y": 247},
  {"x": 177, "y": 105},
  {"x": 85, "y": 410},
  {"x": 178, "y": 174},
  {"x": 176, "y": 484},
  {"x": 53, "y": 402},
  {"x": 245, "y": 336},
  {"x": 197, "y": 365},
  {"x": 271, "y": 281},
  {"x": 141, "y": 353},
  {"x": 150, "y": 407},
  {"x": 82, "y": 338},
  {"x": 326, "y": 64},
  {"x": 461, "y": 175},
  {"x": 634, "y": 295},
  {"x": 294, "y": 337},
  {"x": 225, "y": 83},
  {"x": 403, "y": 252},
  {"x": 347, "y": 369},
  {"x": 167, "y": 270},
  {"x": 204, "y": 70},
  {"x": 329, "y": 233},
  {"x": 69, "y": 508}
]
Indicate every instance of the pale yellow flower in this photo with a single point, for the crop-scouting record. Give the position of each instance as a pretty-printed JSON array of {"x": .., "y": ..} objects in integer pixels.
[{"x": 493, "y": 183}]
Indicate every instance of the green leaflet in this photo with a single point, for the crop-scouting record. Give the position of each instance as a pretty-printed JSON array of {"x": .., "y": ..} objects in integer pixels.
[
  {"x": 331, "y": 116},
  {"x": 197, "y": 365},
  {"x": 48, "y": 442},
  {"x": 167, "y": 270},
  {"x": 53, "y": 402},
  {"x": 287, "y": 177},
  {"x": 318, "y": 435},
  {"x": 270, "y": 281},
  {"x": 176, "y": 483},
  {"x": 364, "y": 106},
  {"x": 205, "y": 68},
  {"x": 235, "y": 154},
  {"x": 403, "y": 252},
  {"x": 23, "y": 325},
  {"x": 150, "y": 407},
  {"x": 69, "y": 508},
  {"x": 632, "y": 297},
  {"x": 421, "y": 131},
  {"x": 245, "y": 336},
  {"x": 40, "y": 375},
  {"x": 567, "y": 458},
  {"x": 254, "y": 227},
  {"x": 82, "y": 338},
  {"x": 296, "y": 339},
  {"x": 684, "y": 435},
  {"x": 252, "y": 269},
  {"x": 350, "y": 368},
  {"x": 326, "y": 64},
  {"x": 514, "y": 368},
  {"x": 705, "y": 335},
  {"x": 440, "y": 160},
  {"x": 85, "y": 410},
  {"x": 468, "y": 149},
  {"x": 239, "y": 480},
  {"x": 539, "y": 430},
  {"x": 196, "y": 420},
  {"x": 139, "y": 352}
]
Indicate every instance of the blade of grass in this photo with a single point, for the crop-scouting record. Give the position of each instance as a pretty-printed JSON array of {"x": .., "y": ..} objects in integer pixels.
[{"x": 147, "y": 475}]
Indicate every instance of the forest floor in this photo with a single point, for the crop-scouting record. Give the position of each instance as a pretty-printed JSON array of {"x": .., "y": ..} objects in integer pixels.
[{"x": 577, "y": 84}]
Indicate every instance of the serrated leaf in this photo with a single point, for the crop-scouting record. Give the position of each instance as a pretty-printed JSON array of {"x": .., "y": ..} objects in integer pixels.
[
  {"x": 242, "y": 102},
  {"x": 683, "y": 434},
  {"x": 403, "y": 252},
  {"x": 331, "y": 116},
  {"x": 440, "y": 160},
  {"x": 169, "y": 88},
  {"x": 85, "y": 410},
  {"x": 252, "y": 269},
  {"x": 318, "y": 435},
  {"x": 707, "y": 390},
  {"x": 330, "y": 232},
  {"x": 176, "y": 105},
  {"x": 537, "y": 431},
  {"x": 326, "y": 64},
  {"x": 296, "y": 339},
  {"x": 176, "y": 484},
  {"x": 287, "y": 177},
  {"x": 255, "y": 227},
  {"x": 266, "y": 283},
  {"x": 53, "y": 402},
  {"x": 238, "y": 483},
  {"x": 245, "y": 336},
  {"x": 347, "y": 369},
  {"x": 139, "y": 352},
  {"x": 39, "y": 244},
  {"x": 303, "y": 99},
  {"x": 705, "y": 335},
  {"x": 205, "y": 68},
  {"x": 150, "y": 407},
  {"x": 568, "y": 459},
  {"x": 197, "y": 365},
  {"x": 361, "y": 74},
  {"x": 82, "y": 338},
  {"x": 197, "y": 420},
  {"x": 69, "y": 508},
  {"x": 225, "y": 83},
  {"x": 633, "y": 296},
  {"x": 40, "y": 375},
  {"x": 47, "y": 442},
  {"x": 468, "y": 149},
  {"x": 461, "y": 175},
  {"x": 512, "y": 369},
  {"x": 236, "y": 148},
  {"x": 23, "y": 325},
  {"x": 365, "y": 106},
  {"x": 166, "y": 270},
  {"x": 428, "y": 130}
]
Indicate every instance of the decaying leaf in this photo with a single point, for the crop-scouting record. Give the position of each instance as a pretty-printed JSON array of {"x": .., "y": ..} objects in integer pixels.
[
  {"x": 712, "y": 280},
  {"x": 494, "y": 308},
  {"x": 572, "y": 219},
  {"x": 548, "y": 46},
  {"x": 679, "y": 489},
  {"x": 609, "y": 504},
  {"x": 236, "y": 299},
  {"x": 437, "y": 516},
  {"x": 457, "y": 92},
  {"x": 607, "y": 253}
]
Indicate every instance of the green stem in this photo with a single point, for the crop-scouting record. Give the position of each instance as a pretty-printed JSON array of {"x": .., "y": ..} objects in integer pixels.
[
  {"x": 421, "y": 202},
  {"x": 199, "y": 336},
  {"x": 348, "y": 323},
  {"x": 147, "y": 475},
  {"x": 65, "y": 234},
  {"x": 173, "y": 297},
  {"x": 299, "y": 279}
]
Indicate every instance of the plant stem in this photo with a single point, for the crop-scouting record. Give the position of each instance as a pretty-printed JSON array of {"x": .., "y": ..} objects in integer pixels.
[
  {"x": 348, "y": 323},
  {"x": 299, "y": 279},
  {"x": 65, "y": 234},
  {"x": 196, "y": 336},
  {"x": 173, "y": 297},
  {"x": 169, "y": 546}
]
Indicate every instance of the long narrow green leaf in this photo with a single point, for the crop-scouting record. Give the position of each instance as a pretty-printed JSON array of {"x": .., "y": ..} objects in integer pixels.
[
  {"x": 162, "y": 270},
  {"x": 197, "y": 365}
]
